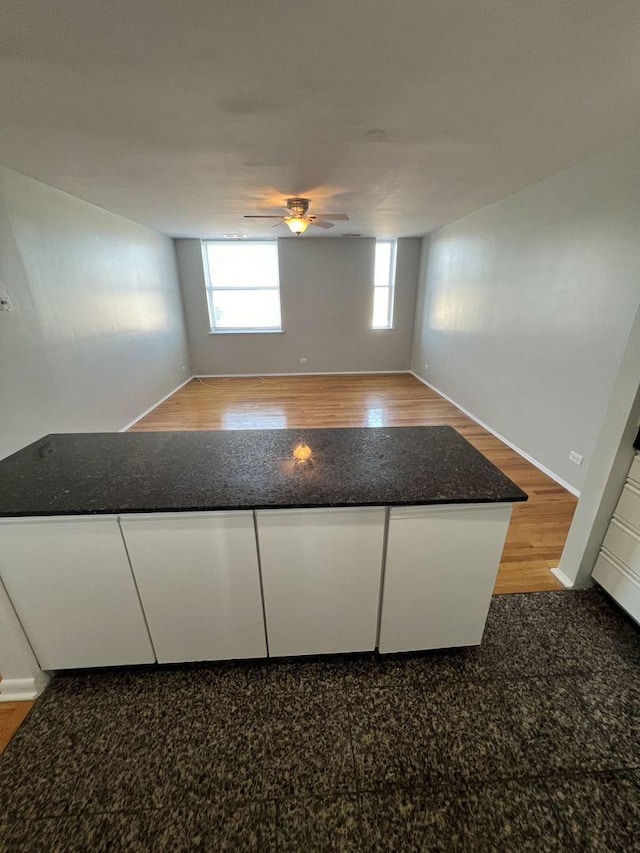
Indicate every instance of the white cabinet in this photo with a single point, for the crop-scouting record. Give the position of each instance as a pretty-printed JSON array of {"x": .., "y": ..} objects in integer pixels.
[
  {"x": 617, "y": 568},
  {"x": 621, "y": 584},
  {"x": 199, "y": 584},
  {"x": 623, "y": 542},
  {"x": 102, "y": 591},
  {"x": 628, "y": 508},
  {"x": 321, "y": 576},
  {"x": 440, "y": 572},
  {"x": 71, "y": 585}
]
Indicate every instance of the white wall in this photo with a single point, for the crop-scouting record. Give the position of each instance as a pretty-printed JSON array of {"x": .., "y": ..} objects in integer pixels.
[
  {"x": 96, "y": 334},
  {"x": 525, "y": 307},
  {"x": 326, "y": 293}
]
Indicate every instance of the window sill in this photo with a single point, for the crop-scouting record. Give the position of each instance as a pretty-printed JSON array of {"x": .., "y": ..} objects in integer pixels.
[{"x": 246, "y": 332}]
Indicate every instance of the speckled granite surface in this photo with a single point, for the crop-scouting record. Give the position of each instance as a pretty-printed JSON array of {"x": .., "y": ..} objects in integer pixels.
[
  {"x": 528, "y": 742},
  {"x": 87, "y": 473}
]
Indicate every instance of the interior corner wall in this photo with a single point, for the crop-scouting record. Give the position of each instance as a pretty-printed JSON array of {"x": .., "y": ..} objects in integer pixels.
[
  {"x": 525, "y": 307},
  {"x": 96, "y": 330},
  {"x": 326, "y": 287}
]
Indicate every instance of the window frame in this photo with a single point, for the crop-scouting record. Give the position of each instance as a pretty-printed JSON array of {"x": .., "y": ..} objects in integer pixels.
[
  {"x": 390, "y": 286},
  {"x": 210, "y": 290}
]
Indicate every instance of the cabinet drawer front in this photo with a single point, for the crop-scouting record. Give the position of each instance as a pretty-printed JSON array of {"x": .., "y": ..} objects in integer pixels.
[
  {"x": 628, "y": 508},
  {"x": 619, "y": 583},
  {"x": 624, "y": 544},
  {"x": 634, "y": 473}
]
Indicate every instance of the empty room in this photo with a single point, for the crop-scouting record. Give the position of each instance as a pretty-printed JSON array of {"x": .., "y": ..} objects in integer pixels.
[{"x": 319, "y": 425}]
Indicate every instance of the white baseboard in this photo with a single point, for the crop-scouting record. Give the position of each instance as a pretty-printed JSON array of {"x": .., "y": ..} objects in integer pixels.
[
  {"x": 22, "y": 689},
  {"x": 155, "y": 405},
  {"x": 539, "y": 465},
  {"x": 564, "y": 579},
  {"x": 302, "y": 373}
]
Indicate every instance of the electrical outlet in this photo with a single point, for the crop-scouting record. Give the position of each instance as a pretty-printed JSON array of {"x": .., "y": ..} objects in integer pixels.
[
  {"x": 426, "y": 367},
  {"x": 303, "y": 360},
  {"x": 576, "y": 457},
  {"x": 5, "y": 303}
]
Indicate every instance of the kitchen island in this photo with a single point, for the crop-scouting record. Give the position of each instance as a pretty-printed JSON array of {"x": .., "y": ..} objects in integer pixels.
[{"x": 127, "y": 548}]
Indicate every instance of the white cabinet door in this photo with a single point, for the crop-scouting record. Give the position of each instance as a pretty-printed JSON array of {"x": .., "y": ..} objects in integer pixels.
[
  {"x": 624, "y": 544},
  {"x": 628, "y": 508},
  {"x": 71, "y": 585},
  {"x": 621, "y": 584},
  {"x": 199, "y": 584},
  {"x": 440, "y": 572},
  {"x": 321, "y": 574}
]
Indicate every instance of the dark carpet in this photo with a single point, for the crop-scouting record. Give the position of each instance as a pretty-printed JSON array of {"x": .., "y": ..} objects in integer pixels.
[{"x": 528, "y": 742}]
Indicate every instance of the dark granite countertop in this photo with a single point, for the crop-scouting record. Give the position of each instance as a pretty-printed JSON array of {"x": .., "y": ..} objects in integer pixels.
[{"x": 92, "y": 473}]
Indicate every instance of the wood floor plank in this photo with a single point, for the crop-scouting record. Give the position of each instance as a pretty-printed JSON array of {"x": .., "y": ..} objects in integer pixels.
[
  {"x": 538, "y": 528},
  {"x": 12, "y": 714}
]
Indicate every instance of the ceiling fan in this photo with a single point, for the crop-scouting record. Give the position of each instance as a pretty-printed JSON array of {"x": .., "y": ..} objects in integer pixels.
[{"x": 298, "y": 220}]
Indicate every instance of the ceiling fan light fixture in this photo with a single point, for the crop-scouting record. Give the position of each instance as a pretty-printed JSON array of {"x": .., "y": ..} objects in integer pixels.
[{"x": 297, "y": 225}]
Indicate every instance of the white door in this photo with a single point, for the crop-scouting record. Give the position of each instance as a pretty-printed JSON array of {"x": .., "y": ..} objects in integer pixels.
[
  {"x": 321, "y": 574},
  {"x": 199, "y": 584},
  {"x": 71, "y": 585},
  {"x": 440, "y": 572}
]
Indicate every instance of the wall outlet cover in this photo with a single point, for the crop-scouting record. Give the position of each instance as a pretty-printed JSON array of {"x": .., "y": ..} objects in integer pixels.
[{"x": 576, "y": 457}]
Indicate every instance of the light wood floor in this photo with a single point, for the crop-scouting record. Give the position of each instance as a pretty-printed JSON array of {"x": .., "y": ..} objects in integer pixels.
[
  {"x": 538, "y": 528},
  {"x": 11, "y": 716}
]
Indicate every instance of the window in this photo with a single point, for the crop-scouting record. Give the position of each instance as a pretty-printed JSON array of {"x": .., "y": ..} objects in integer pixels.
[
  {"x": 384, "y": 276},
  {"x": 243, "y": 286}
]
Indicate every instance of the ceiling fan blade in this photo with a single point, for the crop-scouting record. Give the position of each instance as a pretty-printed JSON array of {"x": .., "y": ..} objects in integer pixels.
[
  {"x": 338, "y": 217},
  {"x": 257, "y": 216},
  {"x": 321, "y": 223}
]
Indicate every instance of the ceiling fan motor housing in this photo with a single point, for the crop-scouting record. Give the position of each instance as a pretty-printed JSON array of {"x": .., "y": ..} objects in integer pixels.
[{"x": 298, "y": 206}]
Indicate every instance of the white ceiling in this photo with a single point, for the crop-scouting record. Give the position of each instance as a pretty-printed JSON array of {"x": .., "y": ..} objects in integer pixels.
[{"x": 185, "y": 114}]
